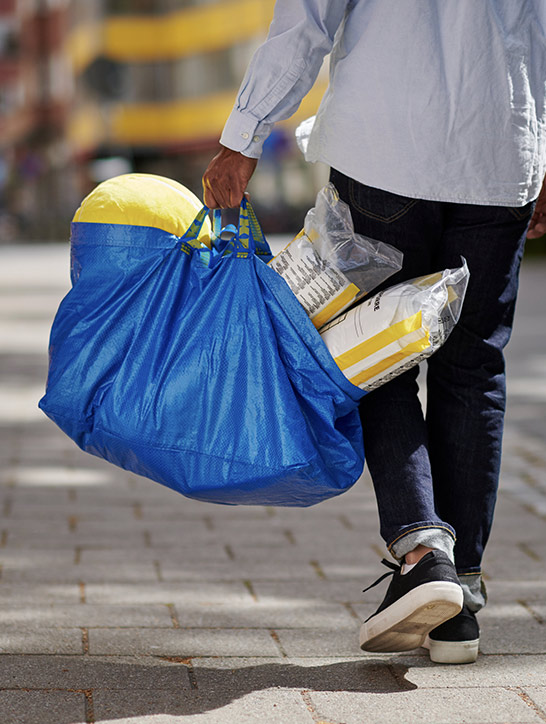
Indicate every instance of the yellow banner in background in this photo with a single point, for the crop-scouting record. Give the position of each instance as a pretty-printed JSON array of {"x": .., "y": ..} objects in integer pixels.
[
  {"x": 146, "y": 38},
  {"x": 140, "y": 39},
  {"x": 186, "y": 32},
  {"x": 177, "y": 122}
]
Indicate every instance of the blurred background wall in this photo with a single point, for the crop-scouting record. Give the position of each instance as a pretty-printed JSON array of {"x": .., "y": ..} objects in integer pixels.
[{"x": 93, "y": 88}]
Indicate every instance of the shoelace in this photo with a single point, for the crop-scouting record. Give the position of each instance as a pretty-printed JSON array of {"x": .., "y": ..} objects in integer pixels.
[{"x": 389, "y": 564}]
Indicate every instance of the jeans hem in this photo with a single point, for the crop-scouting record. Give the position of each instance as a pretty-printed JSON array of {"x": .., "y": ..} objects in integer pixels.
[
  {"x": 419, "y": 527},
  {"x": 430, "y": 534}
]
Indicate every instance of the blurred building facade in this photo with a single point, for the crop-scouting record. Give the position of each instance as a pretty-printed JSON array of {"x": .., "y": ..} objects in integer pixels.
[
  {"x": 93, "y": 88},
  {"x": 35, "y": 95}
]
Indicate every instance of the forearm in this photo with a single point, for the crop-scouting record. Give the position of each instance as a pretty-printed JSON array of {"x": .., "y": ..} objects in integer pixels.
[{"x": 282, "y": 70}]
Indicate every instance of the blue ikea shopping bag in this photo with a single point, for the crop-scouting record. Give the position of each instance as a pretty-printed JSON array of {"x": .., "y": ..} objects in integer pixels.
[{"x": 199, "y": 369}]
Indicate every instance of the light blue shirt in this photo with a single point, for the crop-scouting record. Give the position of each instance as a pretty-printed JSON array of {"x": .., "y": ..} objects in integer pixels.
[{"x": 434, "y": 99}]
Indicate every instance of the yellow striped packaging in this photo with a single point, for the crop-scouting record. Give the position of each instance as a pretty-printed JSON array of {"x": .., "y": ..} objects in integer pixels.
[{"x": 397, "y": 328}]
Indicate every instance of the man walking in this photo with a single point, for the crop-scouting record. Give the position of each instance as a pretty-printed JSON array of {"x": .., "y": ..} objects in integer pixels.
[{"x": 434, "y": 126}]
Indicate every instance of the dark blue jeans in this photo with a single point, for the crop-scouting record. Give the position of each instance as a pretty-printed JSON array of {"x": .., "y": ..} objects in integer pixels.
[{"x": 435, "y": 473}]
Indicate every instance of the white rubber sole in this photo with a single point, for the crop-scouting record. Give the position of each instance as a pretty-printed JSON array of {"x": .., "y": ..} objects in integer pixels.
[
  {"x": 404, "y": 625},
  {"x": 452, "y": 652}
]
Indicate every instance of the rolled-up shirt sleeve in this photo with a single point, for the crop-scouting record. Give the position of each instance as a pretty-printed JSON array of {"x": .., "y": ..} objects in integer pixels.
[{"x": 282, "y": 70}]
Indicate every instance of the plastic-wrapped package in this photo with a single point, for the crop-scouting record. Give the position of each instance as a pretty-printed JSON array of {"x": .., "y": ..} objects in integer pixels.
[
  {"x": 328, "y": 266},
  {"x": 397, "y": 328}
]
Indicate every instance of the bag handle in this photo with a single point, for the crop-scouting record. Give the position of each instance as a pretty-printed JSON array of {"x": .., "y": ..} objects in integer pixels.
[
  {"x": 244, "y": 241},
  {"x": 260, "y": 243},
  {"x": 248, "y": 237},
  {"x": 221, "y": 235},
  {"x": 188, "y": 241}
]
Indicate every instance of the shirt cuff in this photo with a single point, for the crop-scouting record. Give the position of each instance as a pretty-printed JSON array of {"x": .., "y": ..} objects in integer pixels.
[{"x": 245, "y": 134}]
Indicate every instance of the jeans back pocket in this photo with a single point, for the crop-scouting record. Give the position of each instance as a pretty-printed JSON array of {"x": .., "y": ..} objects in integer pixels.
[{"x": 378, "y": 204}]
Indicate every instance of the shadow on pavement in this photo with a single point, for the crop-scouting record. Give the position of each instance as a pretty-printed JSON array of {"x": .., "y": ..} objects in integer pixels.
[{"x": 170, "y": 686}]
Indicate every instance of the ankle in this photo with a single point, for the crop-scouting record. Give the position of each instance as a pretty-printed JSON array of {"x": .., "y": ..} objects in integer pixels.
[{"x": 416, "y": 554}]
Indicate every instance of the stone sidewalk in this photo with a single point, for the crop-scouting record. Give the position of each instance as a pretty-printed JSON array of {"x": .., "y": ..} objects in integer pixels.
[{"x": 121, "y": 601}]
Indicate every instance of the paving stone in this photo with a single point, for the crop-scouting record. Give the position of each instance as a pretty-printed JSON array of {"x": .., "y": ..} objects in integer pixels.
[
  {"x": 177, "y": 512},
  {"x": 357, "y": 569},
  {"x": 85, "y": 615},
  {"x": 537, "y": 695},
  {"x": 511, "y": 629},
  {"x": 162, "y": 536},
  {"x": 42, "y": 707},
  {"x": 429, "y": 706},
  {"x": 513, "y": 521},
  {"x": 30, "y": 457},
  {"x": 28, "y": 561},
  {"x": 340, "y": 590},
  {"x": 236, "y": 570},
  {"x": 218, "y": 663},
  {"x": 499, "y": 591},
  {"x": 181, "y": 533},
  {"x": 191, "y": 554},
  {"x": 98, "y": 516},
  {"x": 246, "y": 527},
  {"x": 509, "y": 561},
  {"x": 25, "y": 536},
  {"x": 266, "y": 614},
  {"x": 35, "y": 304},
  {"x": 313, "y": 674},
  {"x": 182, "y": 642},
  {"x": 58, "y": 476},
  {"x": 363, "y": 610},
  {"x": 88, "y": 573},
  {"x": 534, "y": 548},
  {"x": 161, "y": 707},
  {"x": 537, "y": 608},
  {"x": 97, "y": 528},
  {"x": 489, "y": 670},
  {"x": 32, "y": 639},
  {"x": 43, "y": 527},
  {"x": 14, "y": 594},
  {"x": 331, "y": 533},
  {"x": 320, "y": 642},
  {"x": 342, "y": 554},
  {"x": 90, "y": 672},
  {"x": 120, "y": 493},
  {"x": 50, "y": 498},
  {"x": 199, "y": 592}
]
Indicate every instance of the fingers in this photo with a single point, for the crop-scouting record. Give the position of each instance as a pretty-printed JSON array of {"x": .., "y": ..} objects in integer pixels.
[
  {"x": 208, "y": 198},
  {"x": 226, "y": 178},
  {"x": 537, "y": 229},
  {"x": 219, "y": 193},
  {"x": 216, "y": 197}
]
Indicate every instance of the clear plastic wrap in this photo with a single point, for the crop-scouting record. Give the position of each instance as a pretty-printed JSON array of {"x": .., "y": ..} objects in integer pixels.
[
  {"x": 397, "y": 328},
  {"x": 328, "y": 266}
]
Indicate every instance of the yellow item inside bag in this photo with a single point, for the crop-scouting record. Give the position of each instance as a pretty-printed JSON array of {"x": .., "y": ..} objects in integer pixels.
[
  {"x": 397, "y": 328},
  {"x": 140, "y": 199},
  {"x": 327, "y": 265}
]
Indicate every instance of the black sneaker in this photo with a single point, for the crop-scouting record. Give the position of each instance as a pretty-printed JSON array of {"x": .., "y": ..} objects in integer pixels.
[
  {"x": 456, "y": 641},
  {"x": 415, "y": 603}
]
